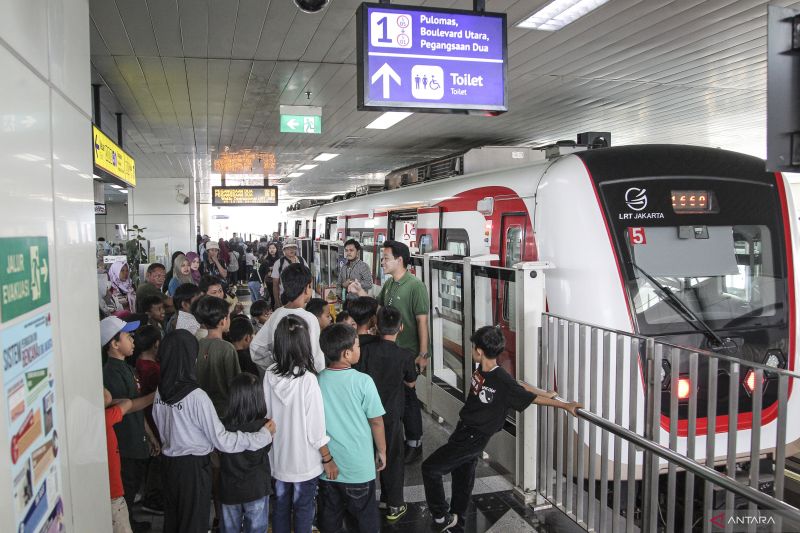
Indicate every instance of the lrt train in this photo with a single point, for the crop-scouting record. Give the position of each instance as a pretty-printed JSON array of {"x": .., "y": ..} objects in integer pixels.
[{"x": 616, "y": 223}]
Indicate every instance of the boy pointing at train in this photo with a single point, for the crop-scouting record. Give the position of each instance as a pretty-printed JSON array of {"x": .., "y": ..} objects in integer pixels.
[{"x": 493, "y": 391}]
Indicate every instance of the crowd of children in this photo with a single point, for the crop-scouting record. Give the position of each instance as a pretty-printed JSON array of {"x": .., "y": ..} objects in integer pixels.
[{"x": 283, "y": 406}]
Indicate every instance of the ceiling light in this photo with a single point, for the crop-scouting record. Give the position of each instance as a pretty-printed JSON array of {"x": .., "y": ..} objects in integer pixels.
[
  {"x": 325, "y": 156},
  {"x": 308, "y": 167},
  {"x": 387, "y": 120},
  {"x": 114, "y": 186},
  {"x": 295, "y": 174},
  {"x": 559, "y": 13},
  {"x": 124, "y": 191}
]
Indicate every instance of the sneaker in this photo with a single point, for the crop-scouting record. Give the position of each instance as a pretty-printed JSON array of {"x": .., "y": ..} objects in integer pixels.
[
  {"x": 413, "y": 454},
  {"x": 396, "y": 512},
  {"x": 446, "y": 522},
  {"x": 153, "y": 507}
]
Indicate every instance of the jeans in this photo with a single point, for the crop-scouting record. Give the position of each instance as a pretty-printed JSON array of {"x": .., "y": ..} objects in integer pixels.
[
  {"x": 294, "y": 499},
  {"x": 249, "y": 517},
  {"x": 356, "y": 499},
  {"x": 255, "y": 291},
  {"x": 459, "y": 456}
]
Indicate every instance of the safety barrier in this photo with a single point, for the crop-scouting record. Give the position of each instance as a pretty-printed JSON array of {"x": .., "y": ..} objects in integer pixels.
[{"x": 627, "y": 463}]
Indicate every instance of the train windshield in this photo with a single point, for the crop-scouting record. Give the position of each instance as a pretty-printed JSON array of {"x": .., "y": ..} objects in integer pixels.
[{"x": 723, "y": 274}]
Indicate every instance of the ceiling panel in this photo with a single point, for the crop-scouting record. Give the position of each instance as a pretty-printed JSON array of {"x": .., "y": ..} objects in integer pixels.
[{"x": 193, "y": 78}]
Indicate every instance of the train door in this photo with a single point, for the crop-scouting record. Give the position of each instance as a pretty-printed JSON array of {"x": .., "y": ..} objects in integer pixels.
[
  {"x": 449, "y": 373},
  {"x": 368, "y": 251},
  {"x": 330, "y": 228},
  {"x": 512, "y": 242},
  {"x": 298, "y": 224},
  {"x": 403, "y": 228}
]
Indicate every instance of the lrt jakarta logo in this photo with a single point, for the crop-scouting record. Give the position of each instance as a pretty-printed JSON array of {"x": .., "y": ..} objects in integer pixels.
[{"x": 636, "y": 198}]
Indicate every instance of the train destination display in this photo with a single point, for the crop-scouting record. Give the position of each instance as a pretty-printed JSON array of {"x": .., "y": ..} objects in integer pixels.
[
  {"x": 419, "y": 59},
  {"x": 243, "y": 196}
]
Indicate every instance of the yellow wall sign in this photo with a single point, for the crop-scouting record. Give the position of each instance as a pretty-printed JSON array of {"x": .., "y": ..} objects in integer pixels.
[{"x": 111, "y": 160}]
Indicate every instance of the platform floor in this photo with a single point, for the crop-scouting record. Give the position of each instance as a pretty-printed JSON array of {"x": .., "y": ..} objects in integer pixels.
[{"x": 494, "y": 508}]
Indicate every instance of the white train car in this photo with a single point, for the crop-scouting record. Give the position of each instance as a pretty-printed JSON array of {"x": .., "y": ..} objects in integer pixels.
[{"x": 711, "y": 225}]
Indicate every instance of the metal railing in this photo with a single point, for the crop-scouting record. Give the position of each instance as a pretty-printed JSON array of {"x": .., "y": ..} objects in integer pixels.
[{"x": 663, "y": 443}]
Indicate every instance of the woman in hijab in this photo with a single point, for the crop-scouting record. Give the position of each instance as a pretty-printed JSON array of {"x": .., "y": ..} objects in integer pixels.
[
  {"x": 182, "y": 274},
  {"x": 108, "y": 304},
  {"x": 194, "y": 265},
  {"x": 122, "y": 286},
  {"x": 190, "y": 430}
]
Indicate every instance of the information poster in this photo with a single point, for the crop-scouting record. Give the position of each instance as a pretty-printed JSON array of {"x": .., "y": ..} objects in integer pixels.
[{"x": 29, "y": 386}]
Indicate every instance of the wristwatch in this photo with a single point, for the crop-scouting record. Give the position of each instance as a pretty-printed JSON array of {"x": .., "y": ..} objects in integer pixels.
[{"x": 424, "y": 355}]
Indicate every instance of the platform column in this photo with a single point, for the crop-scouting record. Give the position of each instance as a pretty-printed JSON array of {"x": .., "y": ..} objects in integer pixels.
[{"x": 530, "y": 303}]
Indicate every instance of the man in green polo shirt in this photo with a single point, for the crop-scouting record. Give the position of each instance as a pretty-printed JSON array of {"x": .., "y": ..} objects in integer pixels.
[{"x": 408, "y": 294}]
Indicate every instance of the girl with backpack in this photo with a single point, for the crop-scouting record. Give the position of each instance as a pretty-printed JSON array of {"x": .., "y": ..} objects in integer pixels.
[{"x": 245, "y": 481}]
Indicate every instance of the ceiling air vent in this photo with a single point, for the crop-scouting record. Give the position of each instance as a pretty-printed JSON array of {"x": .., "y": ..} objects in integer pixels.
[{"x": 350, "y": 142}]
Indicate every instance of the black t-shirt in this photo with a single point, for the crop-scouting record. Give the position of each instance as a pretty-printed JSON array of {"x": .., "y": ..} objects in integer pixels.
[
  {"x": 245, "y": 476},
  {"x": 389, "y": 366},
  {"x": 246, "y": 362},
  {"x": 490, "y": 396}
]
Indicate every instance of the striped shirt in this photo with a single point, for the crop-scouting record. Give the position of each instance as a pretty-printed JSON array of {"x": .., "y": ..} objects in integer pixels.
[{"x": 356, "y": 270}]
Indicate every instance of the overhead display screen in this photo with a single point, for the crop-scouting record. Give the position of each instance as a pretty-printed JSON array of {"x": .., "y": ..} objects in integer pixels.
[
  {"x": 242, "y": 196},
  {"x": 435, "y": 60}
]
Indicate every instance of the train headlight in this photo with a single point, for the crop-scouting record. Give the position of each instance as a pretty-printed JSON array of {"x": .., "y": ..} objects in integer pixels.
[
  {"x": 775, "y": 359},
  {"x": 684, "y": 388}
]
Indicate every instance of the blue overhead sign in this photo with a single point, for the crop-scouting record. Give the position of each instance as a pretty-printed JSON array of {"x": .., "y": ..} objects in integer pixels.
[{"x": 421, "y": 59}]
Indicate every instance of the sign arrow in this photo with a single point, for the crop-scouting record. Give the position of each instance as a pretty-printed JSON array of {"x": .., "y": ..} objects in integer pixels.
[
  {"x": 386, "y": 72},
  {"x": 43, "y": 270},
  {"x": 292, "y": 123}
]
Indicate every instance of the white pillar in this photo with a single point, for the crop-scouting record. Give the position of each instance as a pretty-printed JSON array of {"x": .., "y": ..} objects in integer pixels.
[{"x": 46, "y": 179}]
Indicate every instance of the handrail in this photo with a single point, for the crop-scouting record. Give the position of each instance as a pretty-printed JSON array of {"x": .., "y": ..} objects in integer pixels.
[
  {"x": 703, "y": 471},
  {"x": 692, "y": 349}
]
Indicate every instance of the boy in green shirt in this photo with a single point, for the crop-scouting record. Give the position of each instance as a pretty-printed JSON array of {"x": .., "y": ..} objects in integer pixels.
[{"x": 354, "y": 422}]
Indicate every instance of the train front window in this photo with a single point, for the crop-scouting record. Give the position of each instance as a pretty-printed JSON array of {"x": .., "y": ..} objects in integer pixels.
[{"x": 725, "y": 275}]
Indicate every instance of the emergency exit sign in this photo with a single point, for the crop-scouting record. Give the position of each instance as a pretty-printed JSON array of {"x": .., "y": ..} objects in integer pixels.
[
  {"x": 301, "y": 124},
  {"x": 24, "y": 275}
]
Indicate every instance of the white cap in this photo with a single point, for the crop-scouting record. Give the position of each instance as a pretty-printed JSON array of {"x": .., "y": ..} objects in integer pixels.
[
  {"x": 112, "y": 325},
  {"x": 291, "y": 242}
]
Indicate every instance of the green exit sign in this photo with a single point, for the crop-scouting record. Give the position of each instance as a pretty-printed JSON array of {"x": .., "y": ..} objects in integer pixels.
[{"x": 301, "y": 124}]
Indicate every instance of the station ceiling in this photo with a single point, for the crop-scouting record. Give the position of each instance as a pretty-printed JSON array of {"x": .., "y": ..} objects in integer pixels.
[{"x": 193, "y": 77}]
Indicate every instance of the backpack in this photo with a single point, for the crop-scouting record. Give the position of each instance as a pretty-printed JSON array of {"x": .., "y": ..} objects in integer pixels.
[
  {"x": 283, "y": 262},
  {"x": 233, "y": 261}
]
